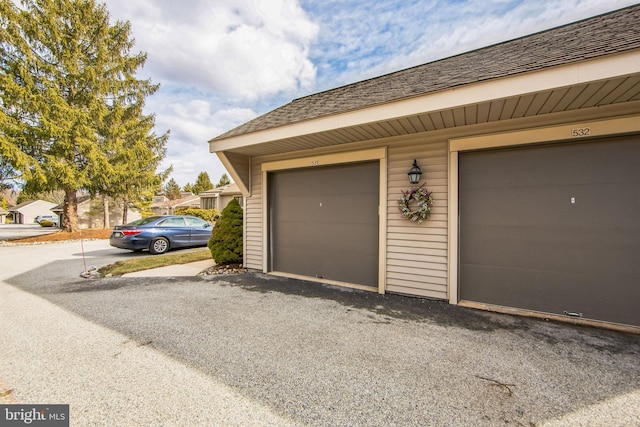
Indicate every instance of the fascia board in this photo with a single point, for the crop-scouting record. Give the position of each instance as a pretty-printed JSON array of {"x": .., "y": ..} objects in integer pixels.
[{"x": 612, "y": 66}]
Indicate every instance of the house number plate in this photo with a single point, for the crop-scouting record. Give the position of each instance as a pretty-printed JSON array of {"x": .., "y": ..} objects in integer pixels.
[
  {"x": 580, "y": 132},
  {"x": 315, "y": 162}
]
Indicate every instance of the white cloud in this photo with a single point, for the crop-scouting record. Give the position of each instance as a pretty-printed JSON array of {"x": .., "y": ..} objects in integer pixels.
[
  {"x": 244, "y": 49},
  {"x": 214, "y": 61},
  {"x": 398, "y": 34},
  {"x": 192, "y": 123},
  {"x": 495, "y": 22},
  {"x": 222, "y": 62}
]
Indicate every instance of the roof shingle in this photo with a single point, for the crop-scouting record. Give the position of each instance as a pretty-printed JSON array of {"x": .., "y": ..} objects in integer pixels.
[{"x": 606, "y": 34}]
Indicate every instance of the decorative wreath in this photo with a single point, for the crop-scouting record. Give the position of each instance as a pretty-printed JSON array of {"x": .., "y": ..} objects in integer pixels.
[{"x": 422, "y": 199}]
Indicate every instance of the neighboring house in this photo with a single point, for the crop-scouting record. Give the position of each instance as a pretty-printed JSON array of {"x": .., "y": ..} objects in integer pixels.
[
  {"x": 26, "y": 213},
  {"x": 3, "y": 216},
  {"x": 91, "y": 213},
  {"x": 163, "y": 206},
  {"x": 530, "y": 149},
  {"x": 9, "y": 196},
  {"x": 219, "y": 198}
]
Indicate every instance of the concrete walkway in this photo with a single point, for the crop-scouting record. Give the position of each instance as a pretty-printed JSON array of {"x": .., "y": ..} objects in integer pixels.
[{"x": 180, "y": 270}]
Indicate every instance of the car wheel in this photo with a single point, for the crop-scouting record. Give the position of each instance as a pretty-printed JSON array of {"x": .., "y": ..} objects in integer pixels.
[{"x": 159, "y": 246}]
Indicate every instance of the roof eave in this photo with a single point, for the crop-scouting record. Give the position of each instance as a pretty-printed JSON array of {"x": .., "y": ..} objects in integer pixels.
[{"x": 601, "y": 68}]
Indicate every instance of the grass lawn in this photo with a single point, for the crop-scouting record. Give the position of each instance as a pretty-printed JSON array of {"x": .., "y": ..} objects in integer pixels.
[{"x": 146, "y": 263}]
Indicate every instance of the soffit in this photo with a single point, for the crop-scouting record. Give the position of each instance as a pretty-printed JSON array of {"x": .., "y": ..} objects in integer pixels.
[{"x": 570, "y": 98}]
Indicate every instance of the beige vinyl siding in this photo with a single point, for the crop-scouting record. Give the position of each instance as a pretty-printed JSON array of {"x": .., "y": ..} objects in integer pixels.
[
  {"x": 253, "y": 221},
  {"x": 417, "y": 253}
]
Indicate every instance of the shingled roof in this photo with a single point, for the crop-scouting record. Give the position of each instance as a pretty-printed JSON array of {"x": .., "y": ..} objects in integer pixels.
[{"x": 598, "y": 36}]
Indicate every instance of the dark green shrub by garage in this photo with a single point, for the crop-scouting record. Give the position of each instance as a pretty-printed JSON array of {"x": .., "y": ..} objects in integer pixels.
[{"x": 226, "y": 238}]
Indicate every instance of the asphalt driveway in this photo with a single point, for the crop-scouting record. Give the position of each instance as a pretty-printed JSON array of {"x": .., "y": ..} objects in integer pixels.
[{"x": 254, "y": 349}]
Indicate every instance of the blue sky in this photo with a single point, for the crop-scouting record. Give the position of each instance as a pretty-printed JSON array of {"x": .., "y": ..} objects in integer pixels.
[{"x": 223, "y": 62}]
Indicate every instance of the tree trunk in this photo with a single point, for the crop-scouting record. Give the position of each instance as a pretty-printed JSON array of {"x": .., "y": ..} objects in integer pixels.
[
  {"x": 105, "y": 207},
  {"x": 125, "y": 209},
  {"x": 70, "y": 218}
]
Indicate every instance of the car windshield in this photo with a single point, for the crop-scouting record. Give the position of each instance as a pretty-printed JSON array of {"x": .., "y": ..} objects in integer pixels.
[{"x": 143, "y": 221}]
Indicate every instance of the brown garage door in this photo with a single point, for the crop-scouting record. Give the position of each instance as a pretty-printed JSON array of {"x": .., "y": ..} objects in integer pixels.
[
  {"x": 324, "y": 222},
  {"x": 553, "y": 228}
]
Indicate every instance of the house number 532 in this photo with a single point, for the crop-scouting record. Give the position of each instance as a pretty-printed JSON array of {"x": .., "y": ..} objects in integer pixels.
[{"x": 578, "y": 132}]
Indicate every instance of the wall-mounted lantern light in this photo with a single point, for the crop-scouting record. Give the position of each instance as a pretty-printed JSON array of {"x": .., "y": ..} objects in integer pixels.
[{"x": 414, "y": 173}]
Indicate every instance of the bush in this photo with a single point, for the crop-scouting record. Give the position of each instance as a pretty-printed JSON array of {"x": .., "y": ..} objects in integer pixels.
[
  {"x": 46, "y": 223},
  {"x": 210, "y": 215},
  {"x": 226, "y": 238}
]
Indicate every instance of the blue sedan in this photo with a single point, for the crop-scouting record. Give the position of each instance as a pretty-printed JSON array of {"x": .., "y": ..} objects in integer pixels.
[{"x": 161, "y": 233}]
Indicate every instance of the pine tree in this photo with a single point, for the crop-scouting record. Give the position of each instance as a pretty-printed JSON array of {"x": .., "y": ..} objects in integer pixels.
[
  {"x": 172, "y": 190},
  {"x": 188, "y": 188},
  {"x": 134, "y": 154},
  {"x": 224, "y": 180},
  {"x": 226, "y": 238},
  {"x": 62, "y": 66},
  {"x": 8, "y": 175},
  {"x": 203, "y": 183}
]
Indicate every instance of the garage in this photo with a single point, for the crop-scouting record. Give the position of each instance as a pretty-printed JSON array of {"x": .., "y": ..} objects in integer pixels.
[
  {"x": 553, "y": 228},
  {"x": 323, "y": 222}
]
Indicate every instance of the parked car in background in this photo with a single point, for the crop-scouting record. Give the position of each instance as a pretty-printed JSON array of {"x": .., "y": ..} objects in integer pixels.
[
  {"x": 47, "y": 219},
  {"x": 159, "y": 234}
]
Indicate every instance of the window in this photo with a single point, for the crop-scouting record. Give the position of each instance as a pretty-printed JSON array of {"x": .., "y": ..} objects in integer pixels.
[
  {"x": 208, "y": 202},
  {"x": 173, "y": 222},
  {"x": 196, "y": 222},
  {"x": 143, "y": 221}
]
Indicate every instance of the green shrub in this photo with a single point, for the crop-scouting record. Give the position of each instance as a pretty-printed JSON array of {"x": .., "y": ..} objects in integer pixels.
[
  {"x": 46, "y": 223},
  {"x": 210, "y": 215},
  {"x": 226, "y": 238}
]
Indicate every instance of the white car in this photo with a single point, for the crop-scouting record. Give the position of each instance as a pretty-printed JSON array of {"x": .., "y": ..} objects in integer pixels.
[{"x": 52, "y": 218}]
